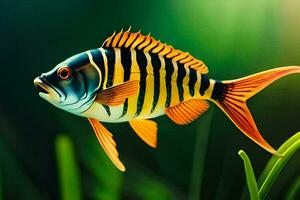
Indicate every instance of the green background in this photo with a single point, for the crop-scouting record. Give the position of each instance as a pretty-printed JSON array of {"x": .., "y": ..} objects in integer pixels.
[{"x": 234, "y": 38}]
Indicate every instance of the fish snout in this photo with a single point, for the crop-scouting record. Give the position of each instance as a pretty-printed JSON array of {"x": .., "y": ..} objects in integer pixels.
[
  {"x": 40, "y": 86},
  {"x": 45, "y": 90}
]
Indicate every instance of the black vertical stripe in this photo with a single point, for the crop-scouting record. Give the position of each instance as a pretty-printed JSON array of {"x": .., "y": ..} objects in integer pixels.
[
  {"x": 156, "y": 64},
  {"x": 204, "y": 84},
  {"x": 98, "y": 60},
  {"x": 192, "y": 81},
  {"x": 125, "y": 108},
  {"x": 180, "y": 77},
  {"x": 169, "y": 71},
  {"x": 107, "y": 109},
  {"x": 219, "y": 90},
  {"x": 142, "y": 63},
  {"x": 126, "y": 63},
  {"x": 110, "y": 54}
]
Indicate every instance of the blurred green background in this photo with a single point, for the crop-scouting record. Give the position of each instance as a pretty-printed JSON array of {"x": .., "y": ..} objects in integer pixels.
[{"x": 45, "y": 153}]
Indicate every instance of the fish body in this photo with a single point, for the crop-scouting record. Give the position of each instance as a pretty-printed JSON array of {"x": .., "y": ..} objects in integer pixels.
[
  {"x": 135, "y": 78},
  {"x": 162, "y": 83}
]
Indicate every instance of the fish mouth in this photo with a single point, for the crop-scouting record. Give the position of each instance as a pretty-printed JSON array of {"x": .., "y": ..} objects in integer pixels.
[
  {"x": 41, "y": 86},
  {"x": 46, "y": 91}
]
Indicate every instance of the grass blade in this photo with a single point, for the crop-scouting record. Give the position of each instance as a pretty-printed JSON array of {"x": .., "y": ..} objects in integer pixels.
[
  {"x": 144, "y": 185},
  {"x": 251, "y": 181},
  {"x": 276, "y": 164},
  {"x": 203, "y": 129},
  {"x": 67, "y": 168},
  {"x": 103, "y": 180},
  {"x": 294, "y": 190}
]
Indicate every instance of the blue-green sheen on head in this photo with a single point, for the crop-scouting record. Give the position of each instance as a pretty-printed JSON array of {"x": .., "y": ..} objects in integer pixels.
[{"x": 71, "y": 85}]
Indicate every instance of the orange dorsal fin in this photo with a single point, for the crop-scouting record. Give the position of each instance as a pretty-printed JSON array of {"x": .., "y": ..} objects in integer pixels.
[
  {"x": 107, "y": 142},
  {"x": 146, "y": 130},
  {"x": 138, "y": 41},
  {"x": 117, "y": 94},
  {"x": 187, "y": 111},
  {"x": 235, "y": 94}
]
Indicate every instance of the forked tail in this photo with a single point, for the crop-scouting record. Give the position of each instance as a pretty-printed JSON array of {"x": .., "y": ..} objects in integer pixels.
[{"x": 231, "y": 97}]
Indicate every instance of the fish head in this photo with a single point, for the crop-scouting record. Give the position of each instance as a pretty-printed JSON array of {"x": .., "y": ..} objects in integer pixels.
[{"x": 72, "y": 85}]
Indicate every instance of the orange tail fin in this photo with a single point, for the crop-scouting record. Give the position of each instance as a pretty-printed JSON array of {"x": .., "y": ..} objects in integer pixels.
[{"x": 231, "y": 97}]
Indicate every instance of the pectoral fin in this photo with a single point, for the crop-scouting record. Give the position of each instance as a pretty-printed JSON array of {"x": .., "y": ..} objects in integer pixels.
[
  {"x": 146, "y": 130},
  {"x": 107, "y": 142},
  {"x": 188, "y": 111},
  {"x": 117, "y": 94}
]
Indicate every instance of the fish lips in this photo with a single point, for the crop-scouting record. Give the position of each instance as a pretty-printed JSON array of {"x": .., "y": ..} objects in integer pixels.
[{"x": 46, "y": 91}]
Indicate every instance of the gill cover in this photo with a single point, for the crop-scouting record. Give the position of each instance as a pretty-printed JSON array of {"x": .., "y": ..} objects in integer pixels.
[{"x": 75, "y": 81}]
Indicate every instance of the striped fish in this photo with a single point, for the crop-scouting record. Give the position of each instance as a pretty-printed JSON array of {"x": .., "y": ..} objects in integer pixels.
[{"x": 135, "y": 78}]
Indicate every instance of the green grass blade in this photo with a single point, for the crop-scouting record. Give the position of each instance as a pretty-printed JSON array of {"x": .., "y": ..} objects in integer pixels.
[
  {"x": 276, "y": 164},
  {"x": 251, "y": 181},
  {"x": 68, "y": 172},
  {"x": 294, "y": 190},
  {"x": 150, "y": 188},
  {"x": 108, "y": 179},
  {"x": 203, "y": 129},
  {"x": 103, "y": 179},
  {"x": 144, "y": 185}
]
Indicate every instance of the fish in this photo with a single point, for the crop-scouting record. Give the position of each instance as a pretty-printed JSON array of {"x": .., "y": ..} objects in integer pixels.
[{"x": 134, "y": 78}]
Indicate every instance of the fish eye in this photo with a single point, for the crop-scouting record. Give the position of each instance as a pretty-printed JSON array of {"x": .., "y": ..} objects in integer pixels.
[{"x": 64, "y": 73}]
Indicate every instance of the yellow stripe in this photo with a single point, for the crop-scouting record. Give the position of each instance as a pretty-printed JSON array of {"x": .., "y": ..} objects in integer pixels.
[
  {"x": 187, "y": 76},
  {"x": 149, "y": 90},
  {"x": 134, "y": 66},
  {"x": 175, "y": 73},
  {"x": 162, "y": 87},
  {"x": 94, "y": 65},
  {"x": 105, "y": 67},
  {"x": 174, "y": 90},
  {"x": 197, "y": 84},
  {"x": 210, "y": 89},
  {"x": 119, "y": 71},
  {"x": 149, "y": 67},
  {"x": 185, "y": 82},
  {"x": 162, "y": 70},
  {"x": 134, "y": 75}
]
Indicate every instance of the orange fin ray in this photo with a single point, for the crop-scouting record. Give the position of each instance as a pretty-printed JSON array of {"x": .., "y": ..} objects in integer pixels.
[
  {"x": 107, "y": 142},
  {"x": 237, "y": 92},
  {"x": 138, "y": 41},
  {"x": 188, "y": 111},
  {"x": 117, "y": 94},
  {"x": 146, "y": 130}
]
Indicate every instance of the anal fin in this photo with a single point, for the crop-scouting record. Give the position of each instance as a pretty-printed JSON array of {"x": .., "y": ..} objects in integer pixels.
[
  {"x": 187, "y": 111},
  {"x": 146, "y": 130}
]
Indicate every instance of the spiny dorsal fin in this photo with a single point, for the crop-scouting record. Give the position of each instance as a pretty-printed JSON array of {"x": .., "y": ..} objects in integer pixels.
[{"x": 127, "y": 39}]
